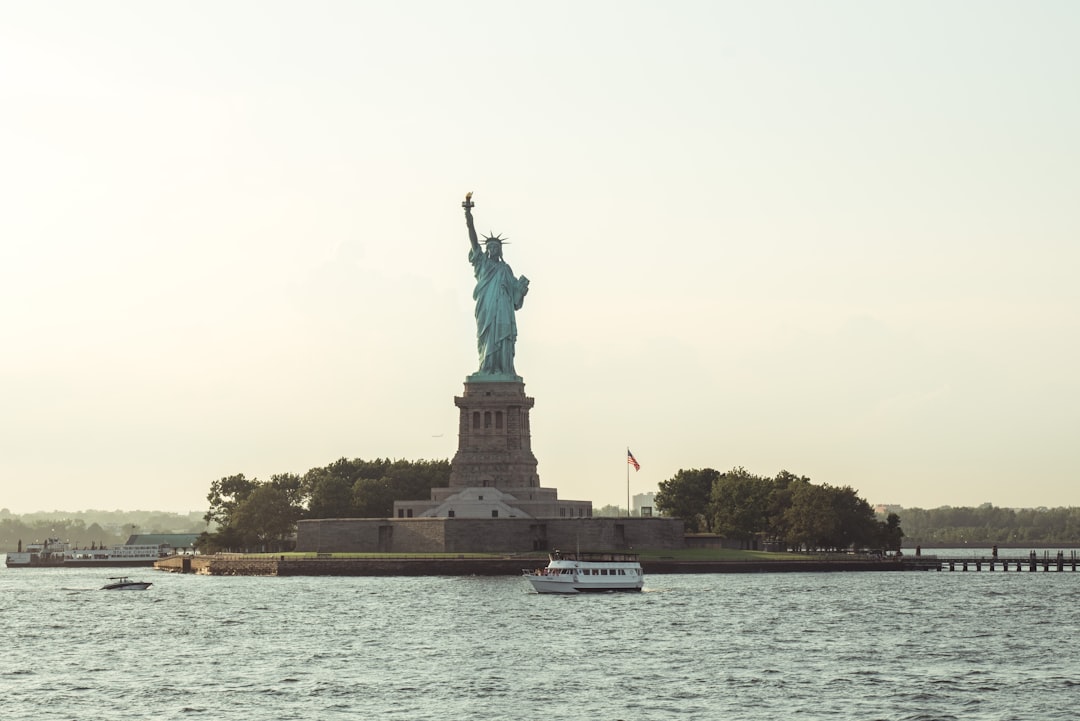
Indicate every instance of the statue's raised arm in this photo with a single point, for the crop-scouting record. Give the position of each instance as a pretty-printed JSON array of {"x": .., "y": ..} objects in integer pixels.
[{"x": 468, "y": 206}]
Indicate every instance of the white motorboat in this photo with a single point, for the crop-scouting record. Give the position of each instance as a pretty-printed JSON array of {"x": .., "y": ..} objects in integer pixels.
[
  {"x": 585, "y": 571},
  {"x": 123, "y": 583}
]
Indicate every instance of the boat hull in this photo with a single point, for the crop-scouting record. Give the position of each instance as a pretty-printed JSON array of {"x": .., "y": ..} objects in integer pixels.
[
  {"x": 112, "y": 563},
  {"x": 550, "y": 584},
  {"x": 70, "y": 563},
  {"x": 23, "y": 560},
  {"x": 126, "y": 584}
]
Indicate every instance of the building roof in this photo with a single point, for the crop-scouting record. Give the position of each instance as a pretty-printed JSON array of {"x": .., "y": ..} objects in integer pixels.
[{"x": 174, "y": 540}]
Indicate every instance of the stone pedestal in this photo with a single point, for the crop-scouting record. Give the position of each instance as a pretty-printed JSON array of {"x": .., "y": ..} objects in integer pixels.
[
  {"x": 494, "y": 439},
  {"x": 493, "y": 474}
]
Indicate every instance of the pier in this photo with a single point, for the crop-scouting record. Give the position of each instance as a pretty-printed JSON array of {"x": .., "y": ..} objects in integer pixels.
[{"x": 1031, "y": 563}]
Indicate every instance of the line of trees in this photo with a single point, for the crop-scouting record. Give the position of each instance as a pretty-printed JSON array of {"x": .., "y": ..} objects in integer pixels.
[
  {"x": 987, "y": 525},
  {"x": 253, "y": 514},
  {"x": 785, "y": 511},
  {"x": 86, "y": 528}
]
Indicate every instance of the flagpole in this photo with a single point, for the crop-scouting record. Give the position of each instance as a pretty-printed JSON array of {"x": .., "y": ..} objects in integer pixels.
[{"x": 627, "y": 481}]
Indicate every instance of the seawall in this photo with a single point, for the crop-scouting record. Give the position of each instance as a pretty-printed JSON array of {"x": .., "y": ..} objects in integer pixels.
[{"x": 241, "y": 565}]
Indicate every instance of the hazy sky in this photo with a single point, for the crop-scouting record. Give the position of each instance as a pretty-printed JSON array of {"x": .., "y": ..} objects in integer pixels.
[{"x": 837, "y": 238}]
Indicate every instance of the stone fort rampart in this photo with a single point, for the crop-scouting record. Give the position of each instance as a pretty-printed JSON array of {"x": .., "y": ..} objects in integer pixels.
[{"x": 486, "y": 535}]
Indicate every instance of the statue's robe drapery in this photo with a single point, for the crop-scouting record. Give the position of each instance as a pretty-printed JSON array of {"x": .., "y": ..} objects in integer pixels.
[{"x": 497, "y": 294}]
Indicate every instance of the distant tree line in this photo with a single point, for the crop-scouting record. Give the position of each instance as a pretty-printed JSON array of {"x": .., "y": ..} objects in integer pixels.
[
  {"x": 87, "y": 528},
  {"x": 988, "y": 525},
  {"x": 261, "y": 515},
  {"x": 612, "y": 511},
  {"x": 784, "y": 511}
]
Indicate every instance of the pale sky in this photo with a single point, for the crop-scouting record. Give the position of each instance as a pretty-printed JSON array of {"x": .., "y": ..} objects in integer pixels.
[{"x": 836, "y": 238}]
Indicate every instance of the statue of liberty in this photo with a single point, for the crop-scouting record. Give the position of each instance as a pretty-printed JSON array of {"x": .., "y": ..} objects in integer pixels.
[{"x": 497, "y": 294}]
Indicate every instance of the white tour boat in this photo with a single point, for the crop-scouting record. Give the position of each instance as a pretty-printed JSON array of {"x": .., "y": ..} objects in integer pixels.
[
  {"x": 584, "y": 571},
  {"x": 123, "y": 583}
]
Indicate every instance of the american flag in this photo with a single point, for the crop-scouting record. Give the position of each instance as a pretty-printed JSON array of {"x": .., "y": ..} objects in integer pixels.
[{"x": 632, "y": 461}]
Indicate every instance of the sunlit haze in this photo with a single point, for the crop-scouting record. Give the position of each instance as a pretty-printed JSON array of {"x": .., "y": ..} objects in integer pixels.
[{"x": 836, "y": 238}]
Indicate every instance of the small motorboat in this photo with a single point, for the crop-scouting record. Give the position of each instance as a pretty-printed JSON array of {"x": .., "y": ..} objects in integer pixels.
[{"x": 123, "y": 583}]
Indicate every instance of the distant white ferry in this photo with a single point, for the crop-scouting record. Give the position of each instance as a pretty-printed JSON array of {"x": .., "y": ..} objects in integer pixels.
[
  {"x": 54, "y": 553},
  {"x": 586, "y": 571},
  {"x": 123, "y": 555},
  {"x": 49, "y": 553}
]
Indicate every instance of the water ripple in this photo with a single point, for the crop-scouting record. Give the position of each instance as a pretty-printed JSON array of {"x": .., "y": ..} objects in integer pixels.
[{"x": 850, "y": 647}]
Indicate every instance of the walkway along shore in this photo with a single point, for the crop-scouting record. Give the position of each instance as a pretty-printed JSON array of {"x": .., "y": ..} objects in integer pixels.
[{"x": 228, "y": 564}]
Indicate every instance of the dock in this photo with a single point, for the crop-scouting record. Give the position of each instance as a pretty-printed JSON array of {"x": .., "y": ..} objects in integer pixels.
[{"x": 1059, "y": 562}]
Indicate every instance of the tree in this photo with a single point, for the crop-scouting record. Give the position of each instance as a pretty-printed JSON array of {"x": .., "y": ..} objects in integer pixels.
[
  {"x": 368, "y": 489},
  {"x": 890, "y": 533},
  {"x": 686, "y": 495},
  {"x": 374, "y": 498},
  {"x": 292, "y": 486},
  {"x": 739, "y": 504},
  {"x": 809, "y": 519},
  {"x": 265, "y": 518},
  {"x": 331, "y": 495},
  {"x": 854, "y": 523},
  {"x": 226, "y": 538},
  {"x": 413, "y": 480},
  {"x": 777, "y": 528},
  {"x": 225, "y": 495},
  {"x": 250, "y": 513}
]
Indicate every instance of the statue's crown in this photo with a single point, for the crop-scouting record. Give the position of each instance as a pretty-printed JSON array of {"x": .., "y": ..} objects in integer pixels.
[{"x": 496, "y": 239}]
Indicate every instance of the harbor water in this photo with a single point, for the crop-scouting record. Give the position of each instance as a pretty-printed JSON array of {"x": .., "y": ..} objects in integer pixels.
[{"x": 841, "y": 646}]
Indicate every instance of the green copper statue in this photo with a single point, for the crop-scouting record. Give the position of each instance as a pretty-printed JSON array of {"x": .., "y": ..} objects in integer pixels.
[{"x": 498, "y": 294}]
